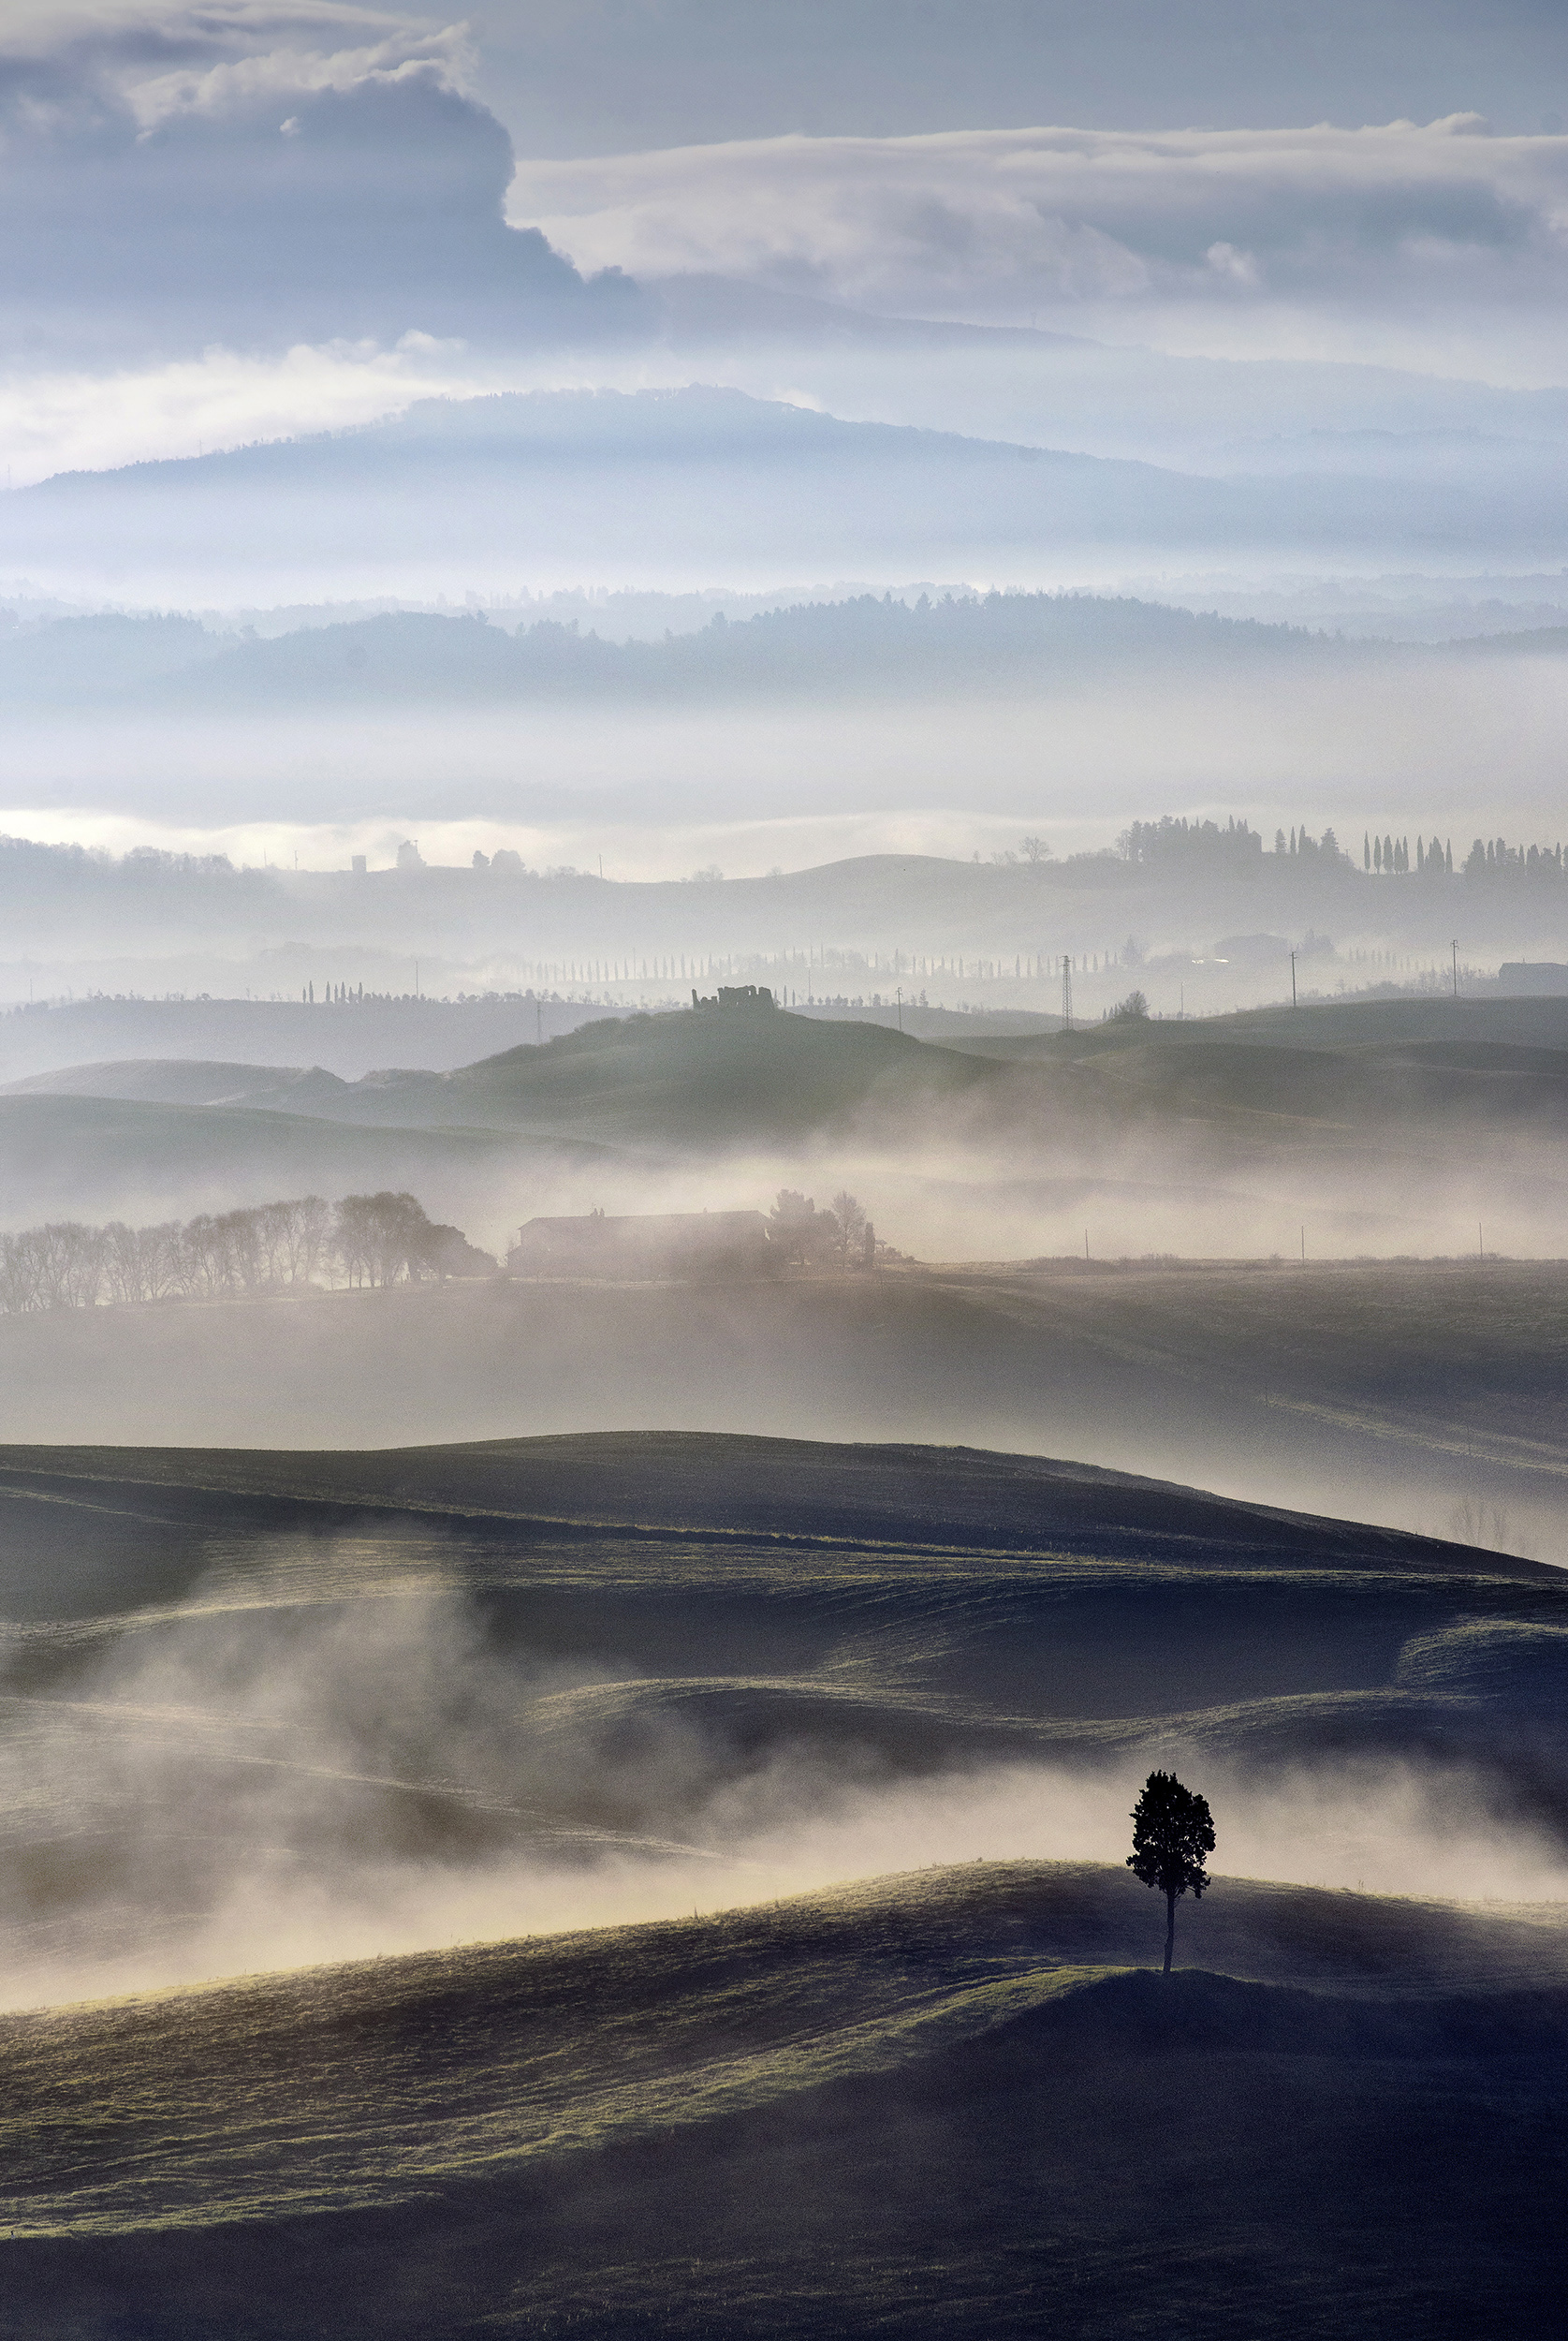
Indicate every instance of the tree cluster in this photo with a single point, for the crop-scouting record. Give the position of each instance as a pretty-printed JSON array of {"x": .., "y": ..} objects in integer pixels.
[
  {"x": 1308, "y": 852},
  {"x": 1493, "y": 856},
  {"x": 1488, "y": 857},
  {"x": 1181, "y": 844},
  {"x": 272, "y": 1247},
  {"x": 803, "y": 1237},
  {"x": 1134, "y": 1010}
]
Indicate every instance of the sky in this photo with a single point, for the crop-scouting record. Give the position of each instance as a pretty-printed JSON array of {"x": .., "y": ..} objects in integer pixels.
[
  {"x": 582, "y": 77},
  {"x": 238, "y": 218}
]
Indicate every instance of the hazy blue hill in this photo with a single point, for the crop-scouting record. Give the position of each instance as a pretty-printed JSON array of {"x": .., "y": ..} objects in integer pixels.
[
  {"x": 913, "y": 1609},
  {"x": 697, "y": 430},
  {"x": 599, "y": 475},
  {"x": 1005, "y": 642},
  {"x": 713, "y": 474},
  {"x": 73, "y": 659}
]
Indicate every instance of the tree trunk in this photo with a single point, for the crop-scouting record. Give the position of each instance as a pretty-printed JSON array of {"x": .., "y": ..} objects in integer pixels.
[{"x": 1170, "y": 1928}]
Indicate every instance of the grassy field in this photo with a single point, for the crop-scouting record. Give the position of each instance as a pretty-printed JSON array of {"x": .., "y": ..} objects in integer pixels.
[
  {"x": 1424, "y": 1397},
  {"x": 281, "y": 1712},
  {"x": 956, "y": 2103}
]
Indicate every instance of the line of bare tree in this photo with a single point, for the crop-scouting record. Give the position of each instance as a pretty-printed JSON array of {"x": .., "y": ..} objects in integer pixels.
[{"x": 380, "y": 1239}]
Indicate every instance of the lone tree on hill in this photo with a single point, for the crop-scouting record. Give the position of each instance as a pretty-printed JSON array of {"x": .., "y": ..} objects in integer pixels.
[{"x": 1172, "y": 1831}]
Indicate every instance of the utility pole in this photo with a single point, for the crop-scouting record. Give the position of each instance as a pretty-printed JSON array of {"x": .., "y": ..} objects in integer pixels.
[
  {"x": 1293, "y": 978},
  {"x": 1067, "y": 996},
  {"x": 1454, "y": 948},
  {"x": 899, "y": 988}
]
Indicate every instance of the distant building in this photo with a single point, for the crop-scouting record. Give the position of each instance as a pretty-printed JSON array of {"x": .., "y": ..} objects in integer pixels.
[
  {"x": 737, "y": 1000},
  {"x": 358, "y": 865},
  {"x": 652, "y": 1245}
]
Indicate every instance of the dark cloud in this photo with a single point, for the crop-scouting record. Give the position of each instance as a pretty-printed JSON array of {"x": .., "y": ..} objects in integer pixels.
[{"x": 167, "y": 191}]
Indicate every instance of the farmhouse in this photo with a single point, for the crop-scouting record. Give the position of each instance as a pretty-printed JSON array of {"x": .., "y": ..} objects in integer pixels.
[{"x": 662, "y": 1243}]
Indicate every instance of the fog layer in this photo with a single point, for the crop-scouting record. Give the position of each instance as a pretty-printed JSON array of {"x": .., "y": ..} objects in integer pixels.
[{"x": 227, "y": 1746}]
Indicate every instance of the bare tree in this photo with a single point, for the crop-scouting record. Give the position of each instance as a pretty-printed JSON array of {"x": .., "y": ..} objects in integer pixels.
[
  {"x": 382, "y": 1237},
  {"x": 376, "y": 1239},
  {"x": 305, "y": 1240},
  {"x": 138, "y": 1262},
  {"x": 849, "y": 1225}
]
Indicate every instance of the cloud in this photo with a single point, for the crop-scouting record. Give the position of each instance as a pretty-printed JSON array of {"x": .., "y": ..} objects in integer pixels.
[
  {"x": 175, "y": 176},
  {"x": 997, "y": 225},
  {"x": 90, "y": 420}
]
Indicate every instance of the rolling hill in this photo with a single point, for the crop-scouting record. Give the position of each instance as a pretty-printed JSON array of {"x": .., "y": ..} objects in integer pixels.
[
  {"x": 942, "y": 2105},
  {"x": 422, "y": 1715},
  {"x": 95, "y": 1157},
  {"x": 674, "y": 1080}
]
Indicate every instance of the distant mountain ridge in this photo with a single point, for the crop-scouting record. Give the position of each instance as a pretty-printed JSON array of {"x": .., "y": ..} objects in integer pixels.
[
  {"x": 592, "y": 483},
  {"x": 869, "y": 643}
]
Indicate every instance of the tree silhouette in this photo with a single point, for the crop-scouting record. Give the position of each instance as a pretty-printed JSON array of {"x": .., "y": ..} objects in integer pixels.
[{"x": 1172, "y": 1831}]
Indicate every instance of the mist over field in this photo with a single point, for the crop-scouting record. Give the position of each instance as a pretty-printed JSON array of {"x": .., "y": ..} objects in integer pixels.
[
  {"x": 783, "y": 1113},
  {"x": 333, "y": 1741}
]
